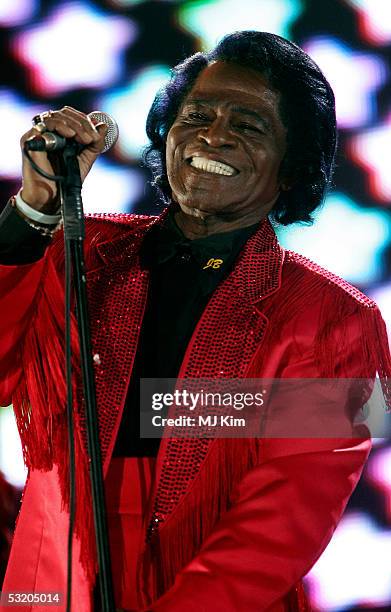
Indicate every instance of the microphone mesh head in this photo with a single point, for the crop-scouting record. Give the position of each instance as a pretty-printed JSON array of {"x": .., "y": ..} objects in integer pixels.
[{"x": 112, "y": 133}]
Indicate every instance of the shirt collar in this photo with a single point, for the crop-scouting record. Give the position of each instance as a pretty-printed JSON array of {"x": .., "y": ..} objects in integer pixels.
[{"x": 167, "y": 241}]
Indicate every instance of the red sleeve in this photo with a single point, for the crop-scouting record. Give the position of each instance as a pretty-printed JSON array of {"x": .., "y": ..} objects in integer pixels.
[
  {"x": 284, "y": 516},
  {"x": 32, "y": 361},
  {"x": 286, "y": 509},
  {"x": 32, "y": 324},
  {"x": 19, "y": 286}
]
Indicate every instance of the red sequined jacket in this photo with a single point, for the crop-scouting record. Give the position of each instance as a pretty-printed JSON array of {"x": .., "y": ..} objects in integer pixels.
[{"x": 235, "y": 524}]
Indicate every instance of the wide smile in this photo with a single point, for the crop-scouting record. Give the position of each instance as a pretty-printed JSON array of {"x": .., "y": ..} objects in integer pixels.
[{"x": 204, "y": 165}]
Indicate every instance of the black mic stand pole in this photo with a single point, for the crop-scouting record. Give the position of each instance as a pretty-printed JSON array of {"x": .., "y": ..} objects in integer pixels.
[{"x": 74, "y": 233}]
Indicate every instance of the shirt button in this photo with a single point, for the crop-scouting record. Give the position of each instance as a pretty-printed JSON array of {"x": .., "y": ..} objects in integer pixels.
[{"x": 185, "y": 257}]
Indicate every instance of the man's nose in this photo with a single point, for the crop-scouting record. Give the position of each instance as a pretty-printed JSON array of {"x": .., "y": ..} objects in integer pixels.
[{"x": 217, "y": 134}]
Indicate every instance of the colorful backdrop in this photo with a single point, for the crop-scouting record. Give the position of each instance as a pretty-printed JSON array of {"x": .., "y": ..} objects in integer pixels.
[{"x": 113, "y": 56}]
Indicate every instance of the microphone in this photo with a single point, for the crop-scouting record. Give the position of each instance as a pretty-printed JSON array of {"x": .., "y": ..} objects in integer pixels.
[{"x": 51, "y": 141}]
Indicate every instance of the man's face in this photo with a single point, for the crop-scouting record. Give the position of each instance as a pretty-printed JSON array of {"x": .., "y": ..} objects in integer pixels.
[{"x": 225, "y": 147}]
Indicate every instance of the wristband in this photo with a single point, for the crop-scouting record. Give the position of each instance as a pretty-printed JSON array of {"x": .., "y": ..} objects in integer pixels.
[
  {"x": 44, "y": 230},
  {"x": 33, "y": 214}
]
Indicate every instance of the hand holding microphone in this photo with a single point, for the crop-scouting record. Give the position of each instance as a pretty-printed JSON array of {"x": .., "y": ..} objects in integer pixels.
[{"x": 95, "y": 132}]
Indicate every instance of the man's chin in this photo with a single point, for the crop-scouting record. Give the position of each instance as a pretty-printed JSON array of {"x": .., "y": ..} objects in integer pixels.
[{"x": 193, "y": 211}]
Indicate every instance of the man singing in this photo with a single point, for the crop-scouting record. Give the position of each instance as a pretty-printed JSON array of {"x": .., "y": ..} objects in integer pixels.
[{"x": 241, "y": 134}]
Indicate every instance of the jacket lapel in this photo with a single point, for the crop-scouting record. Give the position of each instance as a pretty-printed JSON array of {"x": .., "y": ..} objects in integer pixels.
[
  {"x": 222, "y": 346},
  {"x": 117, "y": 292}
]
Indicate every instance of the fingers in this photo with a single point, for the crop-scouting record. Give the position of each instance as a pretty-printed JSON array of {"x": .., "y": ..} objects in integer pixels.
[
  {"x": 88, "y": 127},
  {"x": 29, "y": 134},
  {"x": 71, "y": 123}
]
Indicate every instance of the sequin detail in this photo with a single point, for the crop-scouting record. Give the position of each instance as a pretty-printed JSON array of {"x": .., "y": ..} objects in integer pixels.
[
  {"x": 338, "y": 282},
  {"x": 222, "y": 345}
]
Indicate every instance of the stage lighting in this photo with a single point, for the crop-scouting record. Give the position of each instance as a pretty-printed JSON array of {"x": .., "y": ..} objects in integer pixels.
[
  {"x": 346, "y": 239},
  {"x": 15, "y": 115},
  {"x": 374, "y": 20},
  {"x": 371, "y": 151},
  {"x": 210, "y": 20},
  {"x": 11, "y": 458},
  {"x": 354, "y": 569},
  {"x": 110, "y": 189},
  {"x": 76, "y": 46},
  {"x": 354, "y": 76},
  {"x": 16, "y": 13},
  {"x": 130, "y": 105}
]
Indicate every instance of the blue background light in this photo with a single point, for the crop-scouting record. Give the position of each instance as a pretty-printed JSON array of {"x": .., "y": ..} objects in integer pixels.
[
  {"x": 210, "y": 20},
  {"x": 130, "y": 106},
  {"x": 345, "y": 238}
]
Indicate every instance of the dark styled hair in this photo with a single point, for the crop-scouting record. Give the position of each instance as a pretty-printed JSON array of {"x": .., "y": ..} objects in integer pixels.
[{"x": 307, "y": 110}]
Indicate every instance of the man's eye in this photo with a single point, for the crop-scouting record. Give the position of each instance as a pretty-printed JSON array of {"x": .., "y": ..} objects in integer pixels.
[
  {"x": 248, "y": 126},
  {"x": 194, "y": 116}
]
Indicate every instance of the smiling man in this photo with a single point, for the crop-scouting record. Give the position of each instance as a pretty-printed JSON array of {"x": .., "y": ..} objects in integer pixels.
[
  {"x": 239, "y": 136},
  {"x": 224, "y": 151}
]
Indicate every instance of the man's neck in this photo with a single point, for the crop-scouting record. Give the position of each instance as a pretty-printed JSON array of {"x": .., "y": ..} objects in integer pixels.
[{"x": 196, "y": 226}]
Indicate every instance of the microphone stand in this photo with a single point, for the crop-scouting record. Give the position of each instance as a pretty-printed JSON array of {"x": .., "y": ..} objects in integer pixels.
[{"x": 74, "y": 234}]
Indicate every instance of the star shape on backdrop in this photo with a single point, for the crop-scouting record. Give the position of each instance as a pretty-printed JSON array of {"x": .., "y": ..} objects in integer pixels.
[
  {"x": 354, "y": 77},
  {"x": 75, "y": 46},
  {"x": 130, "y": 105},
  {"x": 213, "y": 19},
  {"x": 15, "y": 115},
  {"x": 359, "y": 237},
  {"x": 16, "y": 13},
  {"x": 374, "y": 19},
  {"x": 111, "y": 189},
  {"x": 354, "y": 569},
  {"x": 371, "y": 151}
]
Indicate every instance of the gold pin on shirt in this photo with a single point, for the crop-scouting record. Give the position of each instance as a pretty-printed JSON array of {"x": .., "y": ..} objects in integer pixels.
[{"x": 213, "y": 263}]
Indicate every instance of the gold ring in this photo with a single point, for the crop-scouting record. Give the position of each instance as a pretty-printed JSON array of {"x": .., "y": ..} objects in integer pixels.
[
  {"x": 46, "y": 115},
  {"x": 40, "y": 127},
  {"x": 36, "y": 119}
]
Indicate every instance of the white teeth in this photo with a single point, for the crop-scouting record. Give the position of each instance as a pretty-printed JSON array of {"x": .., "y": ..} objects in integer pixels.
[{"x": 208, "y": 165}]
